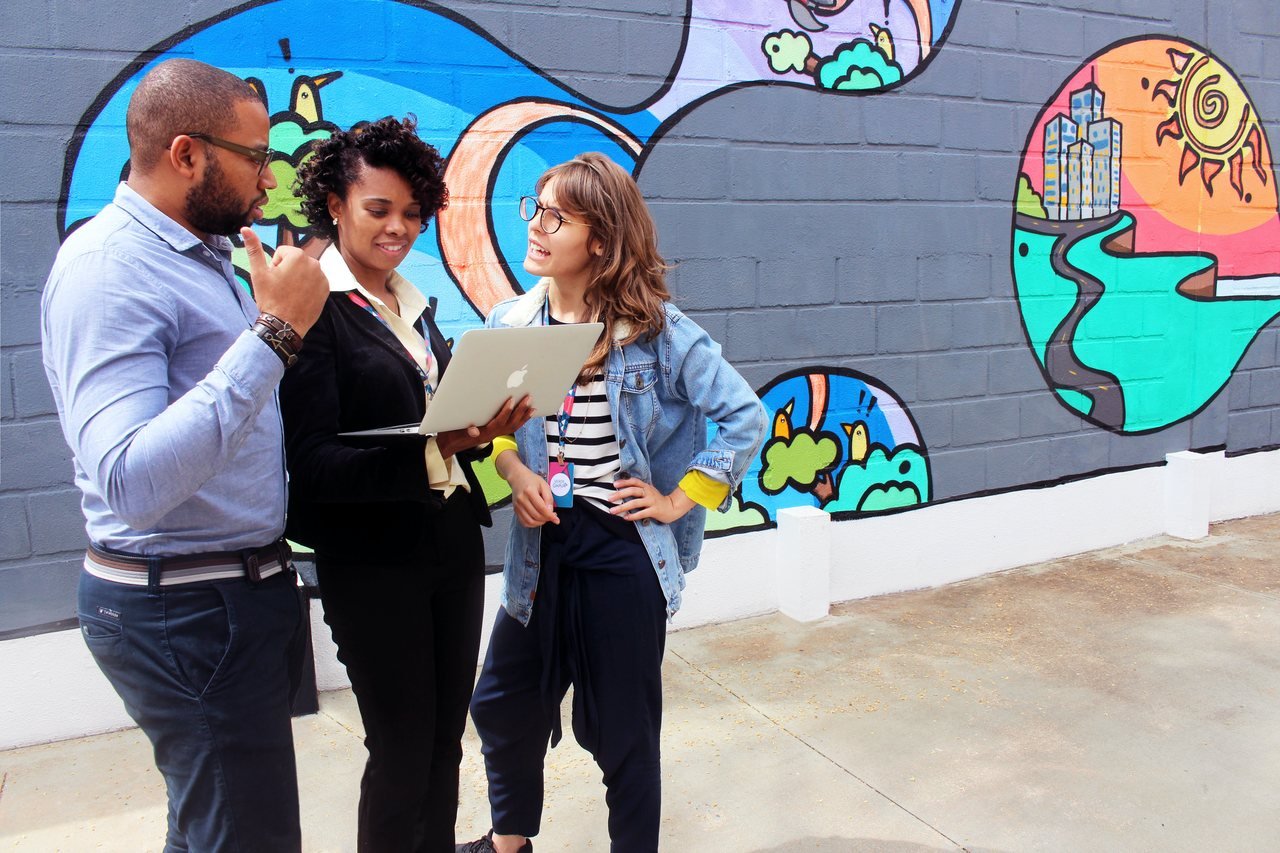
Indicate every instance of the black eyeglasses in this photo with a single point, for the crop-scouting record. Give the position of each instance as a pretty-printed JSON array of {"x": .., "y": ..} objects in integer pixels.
[
  {"x": 261, "y": 156},
  {"x": 551, "y": 219}
]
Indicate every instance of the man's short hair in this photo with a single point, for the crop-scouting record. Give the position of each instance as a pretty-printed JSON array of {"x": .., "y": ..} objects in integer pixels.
[{"x": 180, "y": 96}]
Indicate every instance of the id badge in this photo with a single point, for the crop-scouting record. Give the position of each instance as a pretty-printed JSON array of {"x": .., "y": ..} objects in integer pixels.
[{"x": 560, "y": 476}]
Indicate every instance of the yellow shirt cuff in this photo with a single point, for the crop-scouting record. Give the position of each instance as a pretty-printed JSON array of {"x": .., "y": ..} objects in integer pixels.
[
  {"x": 501, "y": 443},
  {"x": 704, "y": 490}
]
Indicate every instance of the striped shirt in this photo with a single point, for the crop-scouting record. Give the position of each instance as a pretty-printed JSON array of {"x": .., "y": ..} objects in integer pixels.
[{"x": 591, "y": 443}]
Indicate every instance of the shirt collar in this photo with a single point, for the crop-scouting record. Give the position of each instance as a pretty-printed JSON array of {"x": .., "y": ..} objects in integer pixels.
[
  {"x": 150, "y": 217},
  {"x": 527, "y": 310},
  {"x": 412, "y": 302}
]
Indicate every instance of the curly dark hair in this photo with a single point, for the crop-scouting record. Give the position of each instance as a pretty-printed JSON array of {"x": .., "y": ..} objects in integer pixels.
[{"x": 388, "y": 143}]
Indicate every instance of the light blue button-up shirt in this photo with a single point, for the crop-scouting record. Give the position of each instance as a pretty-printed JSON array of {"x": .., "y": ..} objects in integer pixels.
[{"x": 165, "y": 396}]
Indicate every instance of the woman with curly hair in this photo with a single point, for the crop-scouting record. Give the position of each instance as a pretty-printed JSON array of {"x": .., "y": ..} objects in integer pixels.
[{"x": 395, "y": 526}]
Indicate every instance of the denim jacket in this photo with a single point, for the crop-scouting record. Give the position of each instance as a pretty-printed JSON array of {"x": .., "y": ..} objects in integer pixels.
[{"x": 661, "y": 394}]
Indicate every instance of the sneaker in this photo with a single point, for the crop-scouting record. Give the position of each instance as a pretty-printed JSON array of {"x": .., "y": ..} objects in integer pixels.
[{"x": 484, "y": 844}]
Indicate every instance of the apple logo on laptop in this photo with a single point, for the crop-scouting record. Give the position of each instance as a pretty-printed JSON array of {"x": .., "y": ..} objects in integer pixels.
[{"x": 516, "y": 379}]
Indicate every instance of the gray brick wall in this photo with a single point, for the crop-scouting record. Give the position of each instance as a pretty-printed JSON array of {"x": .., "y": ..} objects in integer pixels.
[{"x": 869, "y": 233}]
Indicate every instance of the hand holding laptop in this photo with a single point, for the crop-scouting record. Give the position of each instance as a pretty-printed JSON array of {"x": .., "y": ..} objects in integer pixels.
[
  {"x": 489, "y": 367},
  {"x": 509, "y": 418}
]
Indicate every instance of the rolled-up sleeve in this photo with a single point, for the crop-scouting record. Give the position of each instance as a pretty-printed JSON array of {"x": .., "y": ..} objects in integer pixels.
[{"x": 713, "y": 387}]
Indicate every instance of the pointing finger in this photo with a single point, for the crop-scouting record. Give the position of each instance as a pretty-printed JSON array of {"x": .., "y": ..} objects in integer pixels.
[{"x": 253, "y": 245}]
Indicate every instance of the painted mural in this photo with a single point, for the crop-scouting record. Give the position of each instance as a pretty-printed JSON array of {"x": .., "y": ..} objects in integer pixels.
[
  {"x": 499, "y": 121},
  {"x": 1146, "y": 234},
  {"x": 851, "y": 46},
  {"x": 840, "y": 440}
]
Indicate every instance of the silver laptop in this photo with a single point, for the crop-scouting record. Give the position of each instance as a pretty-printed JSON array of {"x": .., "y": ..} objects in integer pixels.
[{"x": 490, "y": 365}]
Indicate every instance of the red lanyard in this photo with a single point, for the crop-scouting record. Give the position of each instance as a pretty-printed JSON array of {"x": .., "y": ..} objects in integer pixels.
[
  {"x": 562, "y": 420},
  {"x": 363, "y": 303}
]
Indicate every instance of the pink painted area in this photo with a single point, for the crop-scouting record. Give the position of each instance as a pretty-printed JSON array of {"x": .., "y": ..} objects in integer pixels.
[
  {"x": 1173, "y": 215},
  {"x": 1252, "y": 252}
]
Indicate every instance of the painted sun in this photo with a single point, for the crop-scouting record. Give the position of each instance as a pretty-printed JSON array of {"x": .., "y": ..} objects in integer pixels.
[{"x": 1211, "y": 116}]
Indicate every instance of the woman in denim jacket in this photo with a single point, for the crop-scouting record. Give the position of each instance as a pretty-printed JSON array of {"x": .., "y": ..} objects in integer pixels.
[{"x": 594, "y": 569}]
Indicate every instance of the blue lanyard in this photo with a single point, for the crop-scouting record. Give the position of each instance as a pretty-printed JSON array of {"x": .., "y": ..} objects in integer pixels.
[{"x": 426, "y": 383}]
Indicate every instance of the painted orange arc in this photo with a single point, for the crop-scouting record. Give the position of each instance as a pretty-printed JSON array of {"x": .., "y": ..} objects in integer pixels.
[
  {"x": 466, "y": 245},
  {"x": 819, "y": 387},
  {"x": 924, "y": 22}
]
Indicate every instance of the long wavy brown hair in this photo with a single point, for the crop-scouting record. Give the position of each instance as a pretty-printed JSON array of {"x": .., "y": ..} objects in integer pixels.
[{"x": 628, "y": 278}]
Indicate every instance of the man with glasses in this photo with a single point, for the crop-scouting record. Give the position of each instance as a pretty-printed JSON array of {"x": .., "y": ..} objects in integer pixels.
[{"x": 164, "y": 371}]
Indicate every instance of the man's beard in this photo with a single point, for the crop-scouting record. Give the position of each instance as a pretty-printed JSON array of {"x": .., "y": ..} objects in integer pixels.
[{"x": 213, "y": 206}]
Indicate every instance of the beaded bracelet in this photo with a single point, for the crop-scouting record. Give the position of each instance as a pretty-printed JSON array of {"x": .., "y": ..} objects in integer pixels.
[{"x": 280, "y": 336}]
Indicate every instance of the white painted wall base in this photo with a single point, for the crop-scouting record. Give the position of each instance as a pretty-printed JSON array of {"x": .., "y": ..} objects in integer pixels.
[
  {"x": 802, "y": 544},
  {"x": 1188, "y": 484},
  {"x": 53, "y": 690}
]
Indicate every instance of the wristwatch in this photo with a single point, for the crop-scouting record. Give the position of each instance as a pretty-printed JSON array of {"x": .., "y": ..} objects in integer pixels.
[{"x": 280, "y": 336}]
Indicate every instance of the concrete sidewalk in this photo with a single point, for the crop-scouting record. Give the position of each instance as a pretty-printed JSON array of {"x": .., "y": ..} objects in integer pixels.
[{"x": 1127, "y": 699}]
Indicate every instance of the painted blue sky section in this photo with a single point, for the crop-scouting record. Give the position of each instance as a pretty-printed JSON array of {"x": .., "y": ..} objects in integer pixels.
[
  {"x": 395, "y": 59},
  {"x": 849, "y": 402},
  {"x": 940, "y": 11}
]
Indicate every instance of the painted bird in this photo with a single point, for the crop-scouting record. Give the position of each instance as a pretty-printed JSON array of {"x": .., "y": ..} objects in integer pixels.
[
  {"x": 858, "y": 441},
  {"x": 883, "y": 40},
  {"x": 305, "y": 98},
  {"x": 782, "y": 421}
]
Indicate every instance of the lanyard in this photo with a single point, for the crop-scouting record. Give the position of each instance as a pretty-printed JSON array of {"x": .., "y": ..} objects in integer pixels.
[
  {"x": 566, "y": 408},
  {"x": 562, "y": 421},
  {"x": 426, "y": 383}
]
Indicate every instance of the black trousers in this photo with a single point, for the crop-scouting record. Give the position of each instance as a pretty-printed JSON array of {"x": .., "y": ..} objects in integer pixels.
[
  {"x": 598, "y": 623},
  {"x": 409, "y": 636}
]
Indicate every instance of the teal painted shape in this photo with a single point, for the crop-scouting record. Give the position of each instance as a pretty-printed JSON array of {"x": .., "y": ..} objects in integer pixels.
[
  {"x": 1171, "y": 354},
  {"x": 857, "y": 65},
  {"x": 1080, "y": 402},
  {"x": 882, "y": 481},
  {"x": 1044, "y": 297}
]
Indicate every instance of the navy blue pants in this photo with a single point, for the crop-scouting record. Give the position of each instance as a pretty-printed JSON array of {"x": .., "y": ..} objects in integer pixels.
[
  {"x": 409, "y": 636},
  {"x": 209, "y": 671},
  {"x": 598, "y": 623}
]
